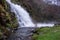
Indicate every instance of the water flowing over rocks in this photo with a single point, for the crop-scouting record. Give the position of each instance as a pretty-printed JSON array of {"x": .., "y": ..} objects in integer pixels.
[
  {"x": 24, "y": 33},
  {"x": 22, "y": 15},
  {"x": 40, "y": 11},
  {"x": 26, "y": 25}
]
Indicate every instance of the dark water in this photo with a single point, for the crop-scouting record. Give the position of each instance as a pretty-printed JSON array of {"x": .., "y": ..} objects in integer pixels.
[{"x": 22, "y": 34}]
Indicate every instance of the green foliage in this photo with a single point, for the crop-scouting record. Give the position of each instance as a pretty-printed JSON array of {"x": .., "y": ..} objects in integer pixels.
[
  {"x": 47, "y": 33},
  {"x": 7, "y": 20}
]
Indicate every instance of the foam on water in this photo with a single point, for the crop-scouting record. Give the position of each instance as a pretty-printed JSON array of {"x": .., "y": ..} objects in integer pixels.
[{"x": 45, "y": 25}]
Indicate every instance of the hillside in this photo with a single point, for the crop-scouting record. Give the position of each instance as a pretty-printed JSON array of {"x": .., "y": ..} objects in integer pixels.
[{"x": 40, "y": 11}]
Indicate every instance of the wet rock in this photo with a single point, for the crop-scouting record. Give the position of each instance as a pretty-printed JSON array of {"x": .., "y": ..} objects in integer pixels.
[{"x": 22, "y": 34}]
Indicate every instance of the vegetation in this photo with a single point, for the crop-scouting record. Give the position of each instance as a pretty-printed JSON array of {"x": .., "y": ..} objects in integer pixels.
[
  {"x": 47, "y": 33},
  {"x": 39, "y": 11},
  {"x": 8, "y": 20}
]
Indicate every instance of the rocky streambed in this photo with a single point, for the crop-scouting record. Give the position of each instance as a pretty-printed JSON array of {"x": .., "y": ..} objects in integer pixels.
[{"x": 23, "y": 33}]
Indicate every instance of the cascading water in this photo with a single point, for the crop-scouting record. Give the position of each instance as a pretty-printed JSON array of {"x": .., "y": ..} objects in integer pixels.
[{"x": 23, "y": 17}]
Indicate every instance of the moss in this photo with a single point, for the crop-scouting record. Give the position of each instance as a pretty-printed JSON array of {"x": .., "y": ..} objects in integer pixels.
[
  {"x": 8, "y": 20},
  {"x": 47, "y": 33}
]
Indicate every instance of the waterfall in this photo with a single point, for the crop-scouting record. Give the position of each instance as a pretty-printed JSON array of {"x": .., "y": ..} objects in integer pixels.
[{"x": 23, "y": 17}]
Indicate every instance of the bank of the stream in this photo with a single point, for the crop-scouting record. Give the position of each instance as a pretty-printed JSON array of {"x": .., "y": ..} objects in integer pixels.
[{"x": 47, "y": 33}]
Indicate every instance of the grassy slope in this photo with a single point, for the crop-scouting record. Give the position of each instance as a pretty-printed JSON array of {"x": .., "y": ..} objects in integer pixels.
[{"x": 47, "y": 33}]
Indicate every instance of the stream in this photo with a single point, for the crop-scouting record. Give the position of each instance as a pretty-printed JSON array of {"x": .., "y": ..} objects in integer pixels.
[
  {"x": 26, "y": 26},
  {"x": 23, "y": 33}
]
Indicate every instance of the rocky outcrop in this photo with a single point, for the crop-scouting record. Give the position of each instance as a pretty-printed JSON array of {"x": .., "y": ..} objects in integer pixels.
[
  {"x": 40, "y": 11},
  {"x": 8, "y": 21}
]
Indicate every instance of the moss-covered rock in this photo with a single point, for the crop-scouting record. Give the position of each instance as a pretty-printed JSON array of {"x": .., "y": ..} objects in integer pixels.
[{"x": 8, "y": 21}]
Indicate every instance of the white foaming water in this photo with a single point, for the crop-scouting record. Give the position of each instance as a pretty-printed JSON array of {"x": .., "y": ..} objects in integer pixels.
[
  {"x": 53, "y": 2},
  {"x": 45, "y": 25},
  {"x": 23, "y": 17}
]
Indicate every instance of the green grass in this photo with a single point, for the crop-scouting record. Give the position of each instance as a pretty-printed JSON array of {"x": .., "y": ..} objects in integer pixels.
[{"x": 47, "y": 33}]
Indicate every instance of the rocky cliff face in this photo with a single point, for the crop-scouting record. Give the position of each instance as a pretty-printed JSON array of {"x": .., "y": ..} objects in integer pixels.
[
  {"x": 40, "y": 11},
  {"x": 7, "y": 20}
]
